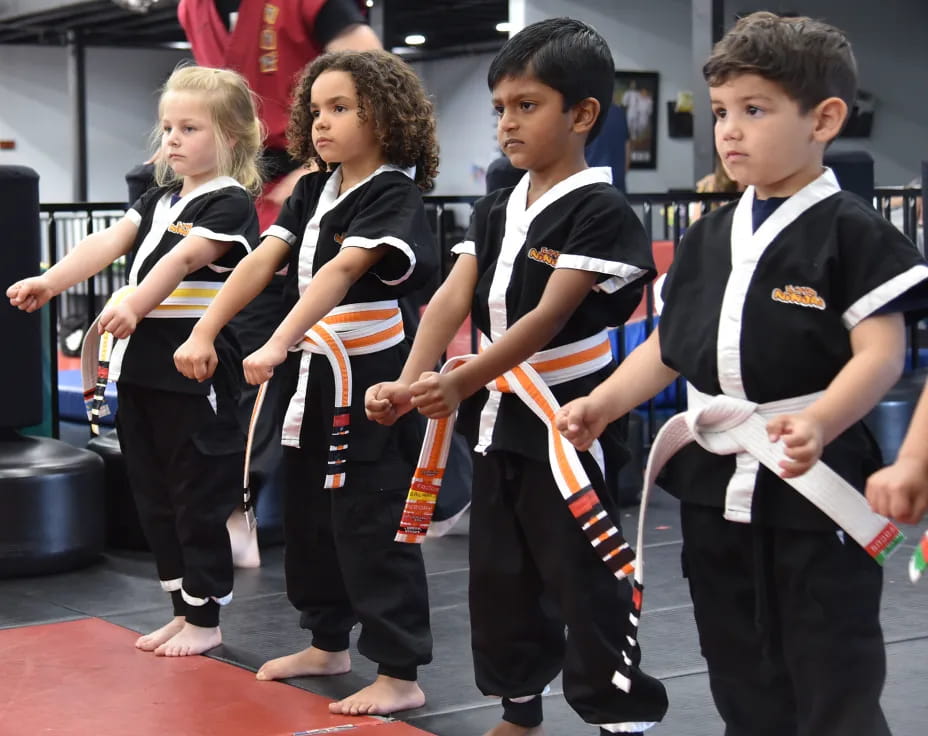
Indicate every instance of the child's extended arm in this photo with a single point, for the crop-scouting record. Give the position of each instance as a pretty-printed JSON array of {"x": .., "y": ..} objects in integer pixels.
[
  {"x": 900, "y": 491},
  {"x": 196, "y": 358},
  {"x": 90, "y": 256},
  {"x": 386, "y": 402},
  {"x": 438, "y": 395},
  {"x": 189, "y": 255},
  {"x": 639, "y": 377},
  {"x": 878, "y": 346},
  {"x": 326, "y": 291}
]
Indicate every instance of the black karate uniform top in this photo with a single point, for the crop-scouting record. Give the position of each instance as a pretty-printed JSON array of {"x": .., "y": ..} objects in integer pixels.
[
  {"x": 582, "y": 223},
  {"x": 219, "y": 210},
  {"x": 767, "y": 316},
  {"x": 384, "y": 209}
]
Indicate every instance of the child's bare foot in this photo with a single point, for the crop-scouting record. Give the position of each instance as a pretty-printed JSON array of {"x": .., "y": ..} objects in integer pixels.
[
  {"x": 150, "y": 642},
  {"x": 504, "y": 728},
  {"x": 190, "y": 640},
  {"x": 384, "y": 695},
  {"x": 244, "y": 541},
  {"x": 310, "y": 661}
]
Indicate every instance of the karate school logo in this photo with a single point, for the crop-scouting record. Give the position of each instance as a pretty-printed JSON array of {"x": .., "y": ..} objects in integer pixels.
[
  {"x": 180, "y": 228},
  {"x": 803, "y": 296},
  {"x": 547, "y": 256},
  {"x": 340, "y": 237}
]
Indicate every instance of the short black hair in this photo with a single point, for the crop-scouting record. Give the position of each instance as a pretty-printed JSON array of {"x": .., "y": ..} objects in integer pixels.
[{"x": 565, "y": 54}]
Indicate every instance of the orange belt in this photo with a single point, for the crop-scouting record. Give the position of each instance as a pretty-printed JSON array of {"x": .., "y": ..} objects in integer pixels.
[
  {"x": 351, "y": 329},
  {"x": 530, "y": 382}
]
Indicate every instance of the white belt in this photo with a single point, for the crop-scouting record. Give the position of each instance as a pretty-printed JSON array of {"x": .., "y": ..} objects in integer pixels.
[
  {"x": 530, "y": 385},
  {"x": 725, "y": 425},
  {"x": 351, "y": 329},
  {"x": 101, "y": 355}
]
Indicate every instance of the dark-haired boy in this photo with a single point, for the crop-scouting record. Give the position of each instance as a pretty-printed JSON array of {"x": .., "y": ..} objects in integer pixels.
[
  {"x": 546, "y": 267},
  {"x": 778, "y": 300}
]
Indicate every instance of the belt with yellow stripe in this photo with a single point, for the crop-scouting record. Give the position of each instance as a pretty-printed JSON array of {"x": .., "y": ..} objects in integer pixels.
[
  {"x": 350, "y": 329},
  {"x": 101, "y": 355},
  {"x": 530, "y": 381}
]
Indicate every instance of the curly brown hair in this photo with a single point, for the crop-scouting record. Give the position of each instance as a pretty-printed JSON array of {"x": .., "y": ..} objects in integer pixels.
[{"x": 390, "y": 94}]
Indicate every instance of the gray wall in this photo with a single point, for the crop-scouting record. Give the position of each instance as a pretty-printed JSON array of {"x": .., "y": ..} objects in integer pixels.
[
  {"x": 121, "y": 111},
  {"x": 891, "y": 42}
]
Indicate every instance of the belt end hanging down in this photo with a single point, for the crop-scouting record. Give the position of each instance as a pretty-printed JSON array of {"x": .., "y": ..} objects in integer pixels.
[
  {"x": 419, "y": 508},
  {"x": 885, "y": 543},
  {"x": 248, "y": 508}
]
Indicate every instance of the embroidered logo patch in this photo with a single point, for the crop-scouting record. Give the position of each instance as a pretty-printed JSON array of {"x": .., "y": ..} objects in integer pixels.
[
  {"x": 803, "y": 296},
  {"x": 544, "y": 255},
  {"x": 270, "y": 13},
  {"x": 340, "y": 237},
  {"x": 267, "y": 63},
  {"x": 180, "y": 228}
]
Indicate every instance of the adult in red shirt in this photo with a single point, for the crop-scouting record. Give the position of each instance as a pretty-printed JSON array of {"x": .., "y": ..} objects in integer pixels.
[{"x": 270, "y": 42}]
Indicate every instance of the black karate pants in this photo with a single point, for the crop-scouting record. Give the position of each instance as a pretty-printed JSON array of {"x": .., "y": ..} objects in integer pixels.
[
  {"x": 789, "y": 626},
  {"x": 343, "y": 567},
  {"x": 532, "y": 571},
  {"x": 184, "y": 487}
]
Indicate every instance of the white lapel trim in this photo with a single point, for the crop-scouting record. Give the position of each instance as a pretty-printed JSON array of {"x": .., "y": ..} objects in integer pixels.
[
  {"x": 747, "y": 248},
  {"x": 329, "y": 199},
  {"x": 165, "y": 214}
]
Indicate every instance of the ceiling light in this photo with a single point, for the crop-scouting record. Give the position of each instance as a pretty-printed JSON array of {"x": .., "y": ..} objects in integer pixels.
[
  {"x": 504, "y": 27},
  {"x": 415, "y": 39},
  {"x": 369, "y": 3}
]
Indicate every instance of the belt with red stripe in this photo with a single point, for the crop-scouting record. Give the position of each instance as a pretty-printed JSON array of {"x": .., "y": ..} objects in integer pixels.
[
  {"x": 530, "y": 382},
  {"x": 350, "y": 329}
]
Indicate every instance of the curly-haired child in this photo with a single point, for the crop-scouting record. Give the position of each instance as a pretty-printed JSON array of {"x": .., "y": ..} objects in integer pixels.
[{"x": 356, "y": 238}]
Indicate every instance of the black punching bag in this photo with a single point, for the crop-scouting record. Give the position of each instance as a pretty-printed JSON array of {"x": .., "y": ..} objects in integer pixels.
[
  {"x": 51, "y": 494},
  {"x": 21, "y": 372}
]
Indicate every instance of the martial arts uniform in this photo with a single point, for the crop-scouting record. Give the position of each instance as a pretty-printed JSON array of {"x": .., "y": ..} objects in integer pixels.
[
  {"x": 786, "y": 605},
  {"x": 532, "y": 570},
  {"x": 181, "y": 439},
  {"x": 342, "y": 565}
]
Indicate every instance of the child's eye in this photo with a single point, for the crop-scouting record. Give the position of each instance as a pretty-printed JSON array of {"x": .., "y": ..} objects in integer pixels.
[
  {"x": 753, "y": 110},
  {"x": 189, "y": 129},
  {"x": 498, "y": 109},
  {"x": 314, "y": 113},
  {"x": 719, "y": 113},
  {"x": 340, "y": 108},
  {"x": 527, "y": 106}
]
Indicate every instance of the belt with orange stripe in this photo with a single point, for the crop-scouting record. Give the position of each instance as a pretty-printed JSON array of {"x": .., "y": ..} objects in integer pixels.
[
  {"x": 351, "y": 329},
  {"x": 530, "y": 381},
  {"x": 101, "y": 355}
]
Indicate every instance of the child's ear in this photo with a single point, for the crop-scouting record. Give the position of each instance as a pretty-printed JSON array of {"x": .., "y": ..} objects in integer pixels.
[
  {"x": 830, "y": 115},
  {"x": 586, "y": 113}
]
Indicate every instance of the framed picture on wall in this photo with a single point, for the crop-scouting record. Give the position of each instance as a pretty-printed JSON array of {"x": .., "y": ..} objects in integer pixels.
[{"x": 636, "y": 93}]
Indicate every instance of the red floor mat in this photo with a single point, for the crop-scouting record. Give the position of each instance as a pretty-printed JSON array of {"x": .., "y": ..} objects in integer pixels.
[{"x": 85, "y": 678}]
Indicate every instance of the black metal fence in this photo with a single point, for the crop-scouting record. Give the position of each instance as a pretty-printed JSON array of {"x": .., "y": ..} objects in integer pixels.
[{"x": 666, "y": 216}]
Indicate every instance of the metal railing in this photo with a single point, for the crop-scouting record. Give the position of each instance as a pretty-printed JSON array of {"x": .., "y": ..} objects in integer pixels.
[{"x": 667, "y": 215}]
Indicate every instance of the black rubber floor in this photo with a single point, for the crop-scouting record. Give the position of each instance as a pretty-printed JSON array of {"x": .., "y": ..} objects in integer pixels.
[{"x": 260, "y": 624}]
